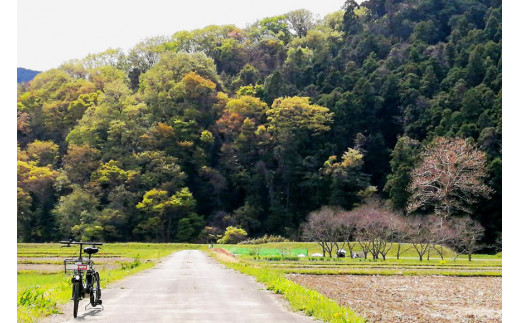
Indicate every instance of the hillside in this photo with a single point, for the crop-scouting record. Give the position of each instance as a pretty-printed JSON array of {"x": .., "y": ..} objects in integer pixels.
[
  {"x": 226, "y": 126},
  {"x": 25, "y": 75}
]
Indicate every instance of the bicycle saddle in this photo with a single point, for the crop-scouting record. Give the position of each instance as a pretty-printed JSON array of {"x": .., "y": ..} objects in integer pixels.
[{"x": 91, "y": 250}]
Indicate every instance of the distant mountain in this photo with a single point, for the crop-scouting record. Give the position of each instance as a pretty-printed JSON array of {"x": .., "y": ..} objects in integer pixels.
[{"x": 25, "y": 75}]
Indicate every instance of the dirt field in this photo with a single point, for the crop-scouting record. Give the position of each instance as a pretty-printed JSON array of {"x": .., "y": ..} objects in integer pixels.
[{"x": 413, "y": 298}]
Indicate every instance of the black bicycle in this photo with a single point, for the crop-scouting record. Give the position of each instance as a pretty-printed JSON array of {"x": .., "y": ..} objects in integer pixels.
[{"x": 84, "y": 267}]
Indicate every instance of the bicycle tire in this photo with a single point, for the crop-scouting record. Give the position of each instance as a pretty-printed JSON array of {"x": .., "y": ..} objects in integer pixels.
[
  {"x": 76, "y": 297},
  {"x": 95, "y": 290}
]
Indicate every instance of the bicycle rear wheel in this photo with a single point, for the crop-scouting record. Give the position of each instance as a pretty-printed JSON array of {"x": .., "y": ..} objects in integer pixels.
[
  {"x": 95, "y": 290},
  {"x": 75, "y": 295}
]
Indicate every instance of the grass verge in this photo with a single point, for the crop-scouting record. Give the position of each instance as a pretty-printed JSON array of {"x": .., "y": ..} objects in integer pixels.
[
  {"x": 41, "y": 293},
  {"x": 300, "y": 298}
]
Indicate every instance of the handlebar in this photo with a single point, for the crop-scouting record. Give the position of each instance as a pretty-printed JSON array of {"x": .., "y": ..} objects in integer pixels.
[{"x": 82, "y": 243}]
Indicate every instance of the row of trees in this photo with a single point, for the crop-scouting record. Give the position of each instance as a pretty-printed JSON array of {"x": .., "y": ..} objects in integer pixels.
[
  {"x": 449, "y": 179},
  {"x": 376, "y": 230}
]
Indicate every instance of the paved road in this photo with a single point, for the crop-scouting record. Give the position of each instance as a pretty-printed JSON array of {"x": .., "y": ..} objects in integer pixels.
[{"x": 188, "y": 286}]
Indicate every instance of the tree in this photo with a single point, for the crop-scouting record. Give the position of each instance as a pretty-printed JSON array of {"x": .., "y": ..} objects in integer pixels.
[
  {"x": 403, "y": 160},
  {"x": 76, "y": 209},
  {"x": 24, "y": 214},
  {"x": 376, "y": 228},
  {"x": 476, "y": 69},
  {"x": 300, "y": 21},
  {"x": 80, "y": 161},
  {"x": 347, "y": 179},
  {"x": 465, "y": 236},
  {"x": 167, "y": 214},
  {"x": 293, "y": 114},
  {"x": 422, "y": 233},
  {"x": 38, "y": 182},
  {"x": 351, "y": 23},
  {"x": 347, "y": 225},
  {"x": 171, "y": 68},
  {"x": 322, "y": 227},
  {"x": 449, "y": 178},
  {"x": 45, "y": 153},
  {"x": 233, "y": 235},
  {"x": 158, "y": 170}
]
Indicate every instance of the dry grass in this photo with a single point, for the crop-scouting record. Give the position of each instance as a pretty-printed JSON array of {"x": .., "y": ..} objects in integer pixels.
[{"x": 224, "y": 255}]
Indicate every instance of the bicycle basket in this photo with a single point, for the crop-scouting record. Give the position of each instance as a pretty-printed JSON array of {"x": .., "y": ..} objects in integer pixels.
[{"x": 74, "y": 265}]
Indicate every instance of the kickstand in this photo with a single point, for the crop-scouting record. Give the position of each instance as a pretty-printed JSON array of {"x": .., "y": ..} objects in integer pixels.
[{"x": 92, "y": 307}]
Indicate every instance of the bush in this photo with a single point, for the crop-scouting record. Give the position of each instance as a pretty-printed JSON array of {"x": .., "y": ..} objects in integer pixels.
[
  {"x": 233, "y": 235},
  {"x": 265, "y": 239}
]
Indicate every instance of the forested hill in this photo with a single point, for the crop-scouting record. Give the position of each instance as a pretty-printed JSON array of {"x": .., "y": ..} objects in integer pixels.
[{"x": 227, "y": 126}]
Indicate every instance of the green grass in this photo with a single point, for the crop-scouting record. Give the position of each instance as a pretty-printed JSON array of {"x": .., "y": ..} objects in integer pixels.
[
  {"x": 300, "y": 298},
  {"x": 313, "y": 247},
  {"x": 410, "y": 267},
  {"x": 40, "y": 293}
]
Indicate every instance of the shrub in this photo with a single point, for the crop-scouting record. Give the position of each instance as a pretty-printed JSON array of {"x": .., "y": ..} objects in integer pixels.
[
  {"x": 265, "y": 239},
  {"x": 233, "y": 235}
]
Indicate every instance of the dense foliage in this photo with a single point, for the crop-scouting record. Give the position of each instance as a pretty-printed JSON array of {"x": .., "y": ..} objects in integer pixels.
[{"x": 224, "y": 126}]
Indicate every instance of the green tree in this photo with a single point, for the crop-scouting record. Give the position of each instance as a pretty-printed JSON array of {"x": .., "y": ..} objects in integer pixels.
[
  {"x": 76, "y": 209},
  {"x": 348, "y": 183},
  {"x": 163, "y": 213},
  {"x": 233, "y": 235},
  {"x": 404, "y": 158},
  {"x": 44, "y": 153}
]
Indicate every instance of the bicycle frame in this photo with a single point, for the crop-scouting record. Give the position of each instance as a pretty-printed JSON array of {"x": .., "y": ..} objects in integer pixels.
[{"x": 83, "y": 267}]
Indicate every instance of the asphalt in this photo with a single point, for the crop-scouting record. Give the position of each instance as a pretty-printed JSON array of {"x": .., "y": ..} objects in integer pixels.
[{"x": 187, "y": 286}]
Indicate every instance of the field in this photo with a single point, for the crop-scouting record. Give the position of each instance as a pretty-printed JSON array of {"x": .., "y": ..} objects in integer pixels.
[
  {"x": 412, "y": 298},
  {"x": 407, "y": 265},
  {"x": 42, "y": 286},
  {"x": 391, "y": 290},
  {"x": 330, "y": 289}
]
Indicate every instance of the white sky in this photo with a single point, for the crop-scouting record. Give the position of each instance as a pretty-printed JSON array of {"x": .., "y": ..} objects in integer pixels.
[{"x": 51, "y": 32}]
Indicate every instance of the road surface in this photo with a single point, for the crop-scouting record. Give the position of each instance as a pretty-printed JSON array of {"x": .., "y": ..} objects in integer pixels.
[{"x": 188, "y": 286}]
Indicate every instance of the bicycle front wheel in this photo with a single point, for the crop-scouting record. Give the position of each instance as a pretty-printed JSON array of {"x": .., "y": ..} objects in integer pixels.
[
  {"x": 95, "y": 290},
  {"x": 75, "y": 295}
]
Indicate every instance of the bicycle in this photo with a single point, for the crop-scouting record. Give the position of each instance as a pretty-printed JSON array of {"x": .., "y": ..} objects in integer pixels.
[{"x": 84, "y": 267}]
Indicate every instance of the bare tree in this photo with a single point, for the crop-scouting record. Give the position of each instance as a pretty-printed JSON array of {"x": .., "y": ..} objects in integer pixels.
[
  {"x": 322, "y": 227},
  {"x": 466, "y": 235},
  {"x": 449, "y": 178},
  {"x": 421, "y": 233},
  {"x": 347, "y": 224},
  {"x": 376, "y": 228},
  {"x": 402, "y": 235},
  {"x": 441, "y": 236}
]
